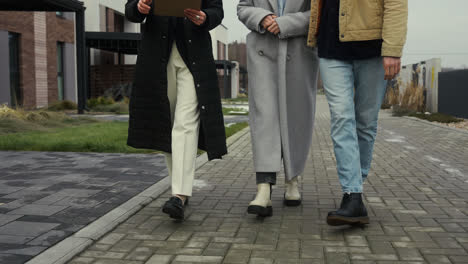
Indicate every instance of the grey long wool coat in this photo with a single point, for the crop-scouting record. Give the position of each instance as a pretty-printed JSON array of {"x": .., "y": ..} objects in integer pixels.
[{"x": 283, "y": 74}]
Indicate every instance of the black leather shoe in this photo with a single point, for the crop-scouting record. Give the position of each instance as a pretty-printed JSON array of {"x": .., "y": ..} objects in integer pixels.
[
  {"x": 352, "y": 212},
  {"x": 175, "y": 207}
]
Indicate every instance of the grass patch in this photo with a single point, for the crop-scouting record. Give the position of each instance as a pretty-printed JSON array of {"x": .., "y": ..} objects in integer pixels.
[
  {"x": 432, "y": 117},
  {"x": 400, "y": 111},
  {"x": 107, "y": 137},
  {"x": 72, "y": 135},
  {"x": 62, "y": 106},
  {"x": 234, "y": 111},
  {"x": 93, "y": 102},
  {"x": 231, "y": 130},
  {"x": 119, "y": 108},
  {"x": 437, "y": 117},
  {"x": 10, "y": 125},
  {"x": 237, "y": 100},
  {"x": 17, "y": 121},
  {"x": 108, "y": 105}
]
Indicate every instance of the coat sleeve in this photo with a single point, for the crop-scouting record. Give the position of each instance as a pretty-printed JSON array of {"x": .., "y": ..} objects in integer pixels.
[
  {"x": 214, "y": 14},
  {"x": 252, "y": 16},
  {"x": 395, "y": 27},
  {"x": 132, "y": 13},
  {"x": 294, "y": 25}
]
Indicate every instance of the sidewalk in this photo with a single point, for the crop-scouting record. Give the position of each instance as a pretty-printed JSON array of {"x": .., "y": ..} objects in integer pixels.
[
  {"x": 47, "y": 196},
  {"x": 417, "y": 197}
]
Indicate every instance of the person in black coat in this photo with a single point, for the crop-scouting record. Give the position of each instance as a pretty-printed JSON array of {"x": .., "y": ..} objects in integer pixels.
[{"x": 175, "y": 103}]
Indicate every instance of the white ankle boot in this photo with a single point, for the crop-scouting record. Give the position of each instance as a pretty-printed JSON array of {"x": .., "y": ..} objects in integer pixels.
[
  {"x": 261, "y": 205},
  {"x": 292, "y": 196}
]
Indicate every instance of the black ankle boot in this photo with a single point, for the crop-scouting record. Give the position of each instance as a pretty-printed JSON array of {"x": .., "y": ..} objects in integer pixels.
[
  {"x": 175, "y": 208},
  {"x": 352, "y": 212}
]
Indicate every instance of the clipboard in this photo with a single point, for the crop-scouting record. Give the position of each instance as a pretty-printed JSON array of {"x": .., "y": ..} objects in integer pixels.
[{"x": 174, "y": 8}]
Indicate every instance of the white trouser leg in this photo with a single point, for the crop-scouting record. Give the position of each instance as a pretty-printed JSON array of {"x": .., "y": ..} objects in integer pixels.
[{"x": 186, "y": 124}]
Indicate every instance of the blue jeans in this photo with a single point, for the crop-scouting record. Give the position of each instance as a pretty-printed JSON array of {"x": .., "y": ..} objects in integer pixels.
[{"x": 355, "y": 91}]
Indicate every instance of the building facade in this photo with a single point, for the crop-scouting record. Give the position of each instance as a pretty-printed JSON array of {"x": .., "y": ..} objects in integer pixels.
[
  {"x": 108, "y": 16},
  {"x": 238, "y": 53},
  {"x": 108, "y": 69},
  {"x": 37, "y": 65},
  {"x": 219, "y": 39},
  {"x": 37, "y": 54}
]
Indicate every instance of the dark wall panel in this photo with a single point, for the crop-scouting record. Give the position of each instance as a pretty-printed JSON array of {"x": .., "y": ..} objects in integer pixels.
[{"x": 453, "y": 93}]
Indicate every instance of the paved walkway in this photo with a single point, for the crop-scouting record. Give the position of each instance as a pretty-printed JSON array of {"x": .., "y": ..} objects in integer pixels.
[
  {"x": 46, "y": 196},
  {"x": 417, "y": 197}
]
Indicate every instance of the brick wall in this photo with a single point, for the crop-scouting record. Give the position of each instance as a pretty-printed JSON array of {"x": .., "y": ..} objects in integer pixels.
[
  {"x": 103, "y": 77},
  {"x": 58, "y": 30},
  {"x": 38, "y": 55},
  {"x": 40, "y": 58},
  {"x": 39, "y": 33},
  {"x": 23, "y": 23}
]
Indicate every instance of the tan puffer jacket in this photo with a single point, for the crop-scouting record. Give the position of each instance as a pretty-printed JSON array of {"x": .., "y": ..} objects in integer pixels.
[{"x": 362, "y": 20}]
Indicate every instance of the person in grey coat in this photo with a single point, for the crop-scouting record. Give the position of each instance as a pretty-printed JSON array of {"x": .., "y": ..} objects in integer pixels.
[{"x": 283, "y": 74}]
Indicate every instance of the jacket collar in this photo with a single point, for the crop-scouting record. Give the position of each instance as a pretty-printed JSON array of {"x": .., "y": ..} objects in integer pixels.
[
  {"x": 293, "y": 6},
  {"x": 290, "y": 7},
  {"x": 274, "y": 5}
]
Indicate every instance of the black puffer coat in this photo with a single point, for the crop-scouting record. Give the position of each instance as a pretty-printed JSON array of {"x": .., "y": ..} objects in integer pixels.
[{"x": 150, "y": 118}]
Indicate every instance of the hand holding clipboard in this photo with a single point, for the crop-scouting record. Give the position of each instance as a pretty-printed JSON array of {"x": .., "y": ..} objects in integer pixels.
[
  {"x": 198, "y": 17},
  {"x": 144, "y": 6},
  {"x": 188, "y": 8}
]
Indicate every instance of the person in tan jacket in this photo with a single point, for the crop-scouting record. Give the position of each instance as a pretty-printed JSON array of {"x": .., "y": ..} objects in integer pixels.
[{"x": 360, "y": 44}]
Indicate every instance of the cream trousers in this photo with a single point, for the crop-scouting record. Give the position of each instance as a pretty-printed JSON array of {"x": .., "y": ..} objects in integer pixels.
[{"x": 185, "y": 124}]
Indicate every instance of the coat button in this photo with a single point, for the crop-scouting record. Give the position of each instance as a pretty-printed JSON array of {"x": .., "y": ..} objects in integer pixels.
[
  {"x": 343, "y": 14},
  {"x": 260, "y": 53},
  {"x": 194, "y": 63},
  {"x": 342, "y": 36},
  {"x": 203, "y": 107},
  {"x": 198, "y": 85},
  {"x": 288, "y": 57},
  {"x": 164, "y": 37}
]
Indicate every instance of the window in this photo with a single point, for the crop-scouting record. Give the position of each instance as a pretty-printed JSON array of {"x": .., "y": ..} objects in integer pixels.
[
  {"x": 119, "y": 22},
  {"x": 60, "y": 71},
  {"x": 16, "y": 96}
]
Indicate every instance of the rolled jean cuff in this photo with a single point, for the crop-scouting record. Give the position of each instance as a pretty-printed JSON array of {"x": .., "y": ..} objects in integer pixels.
[
  {"x": 364, "y": 177},
  {"x": 266, "y": 177},
  {"x": 353, "y": 190}
]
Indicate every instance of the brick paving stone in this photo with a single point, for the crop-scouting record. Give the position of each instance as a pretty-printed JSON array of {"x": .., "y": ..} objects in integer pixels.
[
  {"x": 237, "y": 256},
  {"x": 47, "y": 196},
  {"x": 260, "y": 261},
  {"x": 437, "y": 259},
  {"x": 116, "y": 261},
  {"x": 82, "y": 260},
  {"x": 338, "y": 258},
  {"x": 124, "y": 245},
  {"x": 160, "y": 259},
  {"x": 416, "y": 195},
  {"x": 21, "y": 228},
  {"x": 409, "y": 254},
  {"x": 198, "y": 259},
  {"x": 103, "y": 254}
]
